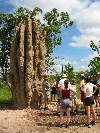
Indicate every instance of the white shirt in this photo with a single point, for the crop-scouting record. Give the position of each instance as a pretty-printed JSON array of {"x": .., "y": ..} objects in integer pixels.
[
  {"x": 61, "y": 82},
  {"x": 89, "y": 89},
  {"x": 73, "y": 91},
  {"x": 82, "y": 85}
]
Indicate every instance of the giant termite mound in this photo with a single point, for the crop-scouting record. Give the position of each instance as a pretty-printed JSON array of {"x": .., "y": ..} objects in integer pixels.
[{"x": 27, "y": 64}]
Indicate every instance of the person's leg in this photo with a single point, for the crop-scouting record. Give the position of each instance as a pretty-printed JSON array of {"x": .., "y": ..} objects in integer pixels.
[
  {"x": 68, "y": 115},
  {"x": 61, "y": 115},
  {"x": 76, "y": 104},
  {"x": 46, "y": 103},
  {"x": 72, "y": 105},
  {"x": 58, "y": 106},
  {"x": 54, "y": 97},
  {"x": 93, "y": 112},
  {"x": 88, "y": 114},
  {"x": 96, "y": 100}
]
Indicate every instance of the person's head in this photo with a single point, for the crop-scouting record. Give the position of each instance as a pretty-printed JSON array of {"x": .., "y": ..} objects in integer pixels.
[
  {"x": 66, "y": 83},
  {"x": 82, "y": 76},
  {"x": 58, "y": 79},
  {"x": 73, "y": 82},
  {"x": 64, "y": 76},
  {"x": 98, "y": 75},
  {"x": 87, "y": 79},
  {"x": 45, "y": 77},
  {"x": 94, "y": 76},
  {"x": 98, "y": 83}
]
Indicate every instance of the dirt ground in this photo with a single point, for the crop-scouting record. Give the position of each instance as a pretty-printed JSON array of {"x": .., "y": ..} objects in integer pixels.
[{"x": 42, "y": 121}]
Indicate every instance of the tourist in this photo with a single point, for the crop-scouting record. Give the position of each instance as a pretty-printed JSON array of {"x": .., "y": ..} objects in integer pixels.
[
  {"x": 53, "y": 91},
  {"x": 65, "y": 103},
  {"x": 94, "y": 81},
  {"x": 82, "y": 85},
  {"x": 98, "y": 97},
  {"x": 89, "y": 101},
  {"x": 74, "y": 97},
  {"x": 60, "y": 84},
  {"x": 46, "y": 91}
]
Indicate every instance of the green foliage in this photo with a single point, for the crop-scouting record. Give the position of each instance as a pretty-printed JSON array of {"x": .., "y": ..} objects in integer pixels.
[
  {"x": 95, "y": 62},
  {"x": 54, "y": 21},
  {"x": 5, "y": 93},
  {"x": 69, "y": 71},
  {"x": 78, "y": 90}
]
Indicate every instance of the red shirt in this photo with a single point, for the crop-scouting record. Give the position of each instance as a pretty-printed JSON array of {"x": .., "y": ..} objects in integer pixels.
[{"x": 65, "y": 94}]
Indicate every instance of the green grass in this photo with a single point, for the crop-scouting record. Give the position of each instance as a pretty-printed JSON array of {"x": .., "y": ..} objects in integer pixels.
[
  {"x": 78, "y": 90},
  {"x": 5, "y": 94}
]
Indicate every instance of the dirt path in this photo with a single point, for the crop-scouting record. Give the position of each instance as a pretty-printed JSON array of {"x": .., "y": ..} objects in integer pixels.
[{"x": 40, "y": 121}]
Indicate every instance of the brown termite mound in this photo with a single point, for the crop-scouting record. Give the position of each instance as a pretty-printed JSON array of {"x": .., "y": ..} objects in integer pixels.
[{"x": 27, "y": 63}]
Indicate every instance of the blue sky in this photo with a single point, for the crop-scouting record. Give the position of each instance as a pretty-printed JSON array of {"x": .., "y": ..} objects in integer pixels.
[{"x": 75, "y": 39}]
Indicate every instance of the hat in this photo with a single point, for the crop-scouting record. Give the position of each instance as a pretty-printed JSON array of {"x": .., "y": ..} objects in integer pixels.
[
  {"x": 45, "y": 77},
  {"x": 64, "y": 76},
  {"x": 82, "y": 75}
]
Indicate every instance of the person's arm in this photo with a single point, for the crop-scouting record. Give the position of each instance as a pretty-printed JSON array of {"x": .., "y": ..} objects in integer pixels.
[
  {"x": 95, "y": 88},
  {"x": 81, "y": 84},
  {"x": 60, "y": 91},
  {"x": 47, "y": 85},
  {"x": 72, "y": 89},
  {"x": 85, "y": 88},
  {"x": 52, "y": 85}
]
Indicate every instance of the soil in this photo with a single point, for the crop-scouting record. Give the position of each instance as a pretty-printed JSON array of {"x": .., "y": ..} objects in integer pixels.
[{"x": 43, "y": 121}]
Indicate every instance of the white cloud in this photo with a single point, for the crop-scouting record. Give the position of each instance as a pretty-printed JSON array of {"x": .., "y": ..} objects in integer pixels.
[
  {"x": 64, "y": 61},
  {"x": 46, "y": 5},
  {"x": 84, "y": 40},
  {"x": 90, "y": 57},
  {"x": 84, "y": 13},
  {"x": 88, "y": 23},
  {"x": 83, "y": 68}
]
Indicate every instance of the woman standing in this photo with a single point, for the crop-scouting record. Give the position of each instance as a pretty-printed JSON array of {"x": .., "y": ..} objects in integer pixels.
[
  {"x": 82, "y": 85},
  {"x": 89, "y": 101},
  {"x": 53, "y": 91},
  {"x": 74, "y": 97},
  {"x": 65, "y": 102}
]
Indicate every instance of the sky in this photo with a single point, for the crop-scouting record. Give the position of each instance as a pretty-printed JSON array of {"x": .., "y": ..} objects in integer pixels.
[{"x": 75, "y": 48}]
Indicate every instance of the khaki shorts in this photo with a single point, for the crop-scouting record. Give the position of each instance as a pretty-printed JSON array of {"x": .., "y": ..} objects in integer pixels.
[{"x": 46, "y": 95}]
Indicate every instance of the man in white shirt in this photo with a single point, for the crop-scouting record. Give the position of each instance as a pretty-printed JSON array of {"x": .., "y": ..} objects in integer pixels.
[{"x": 61, "y": 82}]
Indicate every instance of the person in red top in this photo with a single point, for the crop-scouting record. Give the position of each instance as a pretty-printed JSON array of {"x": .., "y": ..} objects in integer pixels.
[
  {"x": 65, "y": 103},
  {"x": 82, "y": 85}
]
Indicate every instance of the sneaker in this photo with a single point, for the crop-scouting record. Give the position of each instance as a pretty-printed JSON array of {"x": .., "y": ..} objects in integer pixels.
[
  {"x": 57, "y": 114},
  {"x": 92, "y": 122},
  {"x": 59, "y": 125},
  {"x": 46, "y": 108},
  {"x": 87, "y": 125},
  {"x": 67, "y": 126},
  {"x": 65, "y": 114}
]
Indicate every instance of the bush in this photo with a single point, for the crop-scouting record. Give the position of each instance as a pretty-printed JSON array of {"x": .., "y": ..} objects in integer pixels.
[{"x": 5, "y": 93}]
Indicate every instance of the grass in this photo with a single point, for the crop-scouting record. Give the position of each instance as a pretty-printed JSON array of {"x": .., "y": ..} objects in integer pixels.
[
  {"x": 78, "y": 90},
  {"x": 5, "y": 94}
]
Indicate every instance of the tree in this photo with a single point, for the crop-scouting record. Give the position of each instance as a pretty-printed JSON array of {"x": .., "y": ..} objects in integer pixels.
[
  {"x": 95, "y": 62},
  {"x": 54, "y": 21},
  {"x": 69, "y": 71}
]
